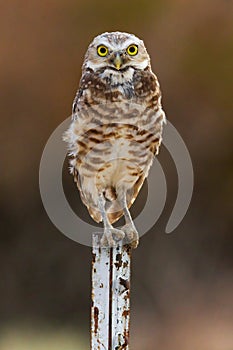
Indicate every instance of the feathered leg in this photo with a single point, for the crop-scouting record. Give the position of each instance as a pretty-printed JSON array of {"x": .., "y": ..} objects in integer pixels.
[
  {"x": 111, "y": 234},
  {"x": 129, "y": 227}
]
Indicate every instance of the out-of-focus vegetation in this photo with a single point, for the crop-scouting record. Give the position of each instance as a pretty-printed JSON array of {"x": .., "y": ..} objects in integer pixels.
[
  {"x": 182, "y": 283},
  {"x": 31, "y": 339}
]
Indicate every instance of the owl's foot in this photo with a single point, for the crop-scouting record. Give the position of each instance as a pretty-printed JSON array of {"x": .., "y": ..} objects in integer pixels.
[
  {"x": 131, "y": 233},
  {"x": 111, "y": 236}
]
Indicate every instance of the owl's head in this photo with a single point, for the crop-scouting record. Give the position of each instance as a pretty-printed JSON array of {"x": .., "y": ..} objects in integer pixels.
[{"x": 116, "y": 51}]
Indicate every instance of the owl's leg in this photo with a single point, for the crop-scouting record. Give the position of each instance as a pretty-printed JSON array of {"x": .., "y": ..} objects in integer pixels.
[
  {"x": 111, "y": 234},
  {"x": 129, "y": 227}
]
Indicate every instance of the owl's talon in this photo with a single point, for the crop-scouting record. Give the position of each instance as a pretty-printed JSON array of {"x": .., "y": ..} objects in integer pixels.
[
  {"x": 131, "y": 234},
  {"x": 111, "y": 236}
]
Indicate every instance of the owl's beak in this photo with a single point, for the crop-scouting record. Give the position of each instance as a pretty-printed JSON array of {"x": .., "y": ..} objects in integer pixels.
[{"x": 118, "y": 61}]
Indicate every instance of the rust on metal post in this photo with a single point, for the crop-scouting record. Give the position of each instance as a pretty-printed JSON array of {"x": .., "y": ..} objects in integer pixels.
[
  {"x": 110, "y": 313},
  {"x": 100, "y": 296},
  {"x": 110, "y": 319},
  {"x": 121, "y": 297}
]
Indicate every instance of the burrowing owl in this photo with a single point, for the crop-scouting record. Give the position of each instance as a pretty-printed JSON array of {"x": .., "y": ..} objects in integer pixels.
[{"x": 116, "y": 129}]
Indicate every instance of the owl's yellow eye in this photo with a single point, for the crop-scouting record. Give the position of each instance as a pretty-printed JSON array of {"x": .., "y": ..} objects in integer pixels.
[
  {"x": 102, "y": 50},
  {"x": 132, "y": 50}
]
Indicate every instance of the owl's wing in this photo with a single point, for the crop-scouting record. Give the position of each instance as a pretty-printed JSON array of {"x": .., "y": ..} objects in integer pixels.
[
  {"x": 78, "y": 96},
  {"x": 76, "y": 103},
  {"x": 88, "y": 82},
  {"x": 83, "y": 85}
]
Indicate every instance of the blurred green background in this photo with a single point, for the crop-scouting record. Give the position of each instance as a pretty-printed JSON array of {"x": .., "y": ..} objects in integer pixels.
[{"x": 182, "y": 283}]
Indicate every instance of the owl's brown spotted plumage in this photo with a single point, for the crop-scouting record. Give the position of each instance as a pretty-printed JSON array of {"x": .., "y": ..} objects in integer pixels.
[{"x": 115, "y": 131}]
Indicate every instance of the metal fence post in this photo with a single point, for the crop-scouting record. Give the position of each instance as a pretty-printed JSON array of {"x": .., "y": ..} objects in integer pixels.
[{"x": 110, "y": 311}]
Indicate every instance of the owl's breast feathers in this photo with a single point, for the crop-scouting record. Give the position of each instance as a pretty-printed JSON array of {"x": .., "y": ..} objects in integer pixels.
[
  {"x": 141, "y": 86},
  {"x": 115, "y": 133}
]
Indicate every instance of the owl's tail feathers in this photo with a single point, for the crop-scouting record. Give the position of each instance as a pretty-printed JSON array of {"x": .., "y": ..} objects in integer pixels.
[
  {"x": 113, "y": 215},
  {"x": 114, "y": 211},
  {"x": 95, "y": 214}
]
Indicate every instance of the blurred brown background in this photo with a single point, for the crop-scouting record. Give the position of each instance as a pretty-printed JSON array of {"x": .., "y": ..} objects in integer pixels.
[{"x": 182, "y": 283}]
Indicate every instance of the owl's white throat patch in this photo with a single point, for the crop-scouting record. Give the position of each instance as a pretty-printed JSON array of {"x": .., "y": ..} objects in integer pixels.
[{"x": 118, "y": 77}]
